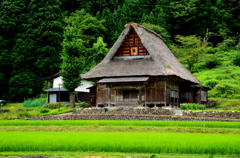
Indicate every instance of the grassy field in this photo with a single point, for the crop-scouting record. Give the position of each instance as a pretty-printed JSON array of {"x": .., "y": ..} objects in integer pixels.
[
  {"x": 139, "y": 142},
  {"x": 122, "y": 139},
  {"x": 121, "y": 123}
]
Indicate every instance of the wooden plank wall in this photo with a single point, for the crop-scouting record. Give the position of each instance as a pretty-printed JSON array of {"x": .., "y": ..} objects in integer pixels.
[
  {"x": 102, "y": 94},
  {"x": 132, "y": 46}
]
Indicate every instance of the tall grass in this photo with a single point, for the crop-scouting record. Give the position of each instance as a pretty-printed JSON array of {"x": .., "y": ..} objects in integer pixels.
[
  {"x": 121, "y": 123},
  {"x": 190, "y": 143},
  {"x": 192, "y": 106}
]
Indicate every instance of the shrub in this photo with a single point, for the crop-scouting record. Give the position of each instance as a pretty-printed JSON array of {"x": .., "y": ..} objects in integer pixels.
[
  {"x": 236, "y": 59},
  {"x": 44, "y": 110},
  {"x": 53, "y": 105},
  {"x": 223, "y": 77},
  {"x": 82, "y": 104},
  {"x": 211, "y": 83},
  {"x": 225, "y": 90},
  {"x": 192, "y": 106},
  {"x": 23, "y": 114},
  {"x": 212, "y": 63}
]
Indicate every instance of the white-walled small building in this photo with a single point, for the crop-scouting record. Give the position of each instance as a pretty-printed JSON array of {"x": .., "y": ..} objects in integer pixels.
[{"x": 58, "y": 94}]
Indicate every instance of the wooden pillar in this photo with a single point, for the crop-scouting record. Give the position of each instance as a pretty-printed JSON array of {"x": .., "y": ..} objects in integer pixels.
[
  {"x": 140, "y": 96},
  {"x": 155, "y": 97},
  {"x": 97, "y": 96},
  {"x": 115, "y": 95},
  {"x": 165, "y": 93},
  {"x": 109, "y": 95},
  {"x": 178, "y": 98},
  {"x": 145, "y": 96}
]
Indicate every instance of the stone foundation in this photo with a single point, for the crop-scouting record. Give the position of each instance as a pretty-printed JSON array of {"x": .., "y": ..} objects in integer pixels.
[
  {"x": 213, "y": 114},
  {"x": 128, "y": 117},
  {"x": 122, "y": 110},
  {"x": 141, "y": 113}
]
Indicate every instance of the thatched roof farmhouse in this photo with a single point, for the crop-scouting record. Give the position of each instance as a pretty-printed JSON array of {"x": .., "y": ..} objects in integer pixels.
[{"x": 141, "y": 70}]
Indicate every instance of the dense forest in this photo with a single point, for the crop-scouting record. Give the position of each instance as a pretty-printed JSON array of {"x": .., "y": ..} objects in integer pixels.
[{"x": 38, "y": 38}]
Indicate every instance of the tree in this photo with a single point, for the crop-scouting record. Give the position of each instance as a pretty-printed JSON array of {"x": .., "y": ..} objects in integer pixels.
[
  {"x": 35, "y": 54},
  {"x": 159, "y": 30},
  {"x": 97, "y": 53},
  {"x": 85, "y": 27},
  {"x": 79, "y": 35},
  {"x": 189, "y": 50},
  {"x": 72, "y": 65},
  {"x": 13, "y": 16},
  {"x": 45, "y": 31}
]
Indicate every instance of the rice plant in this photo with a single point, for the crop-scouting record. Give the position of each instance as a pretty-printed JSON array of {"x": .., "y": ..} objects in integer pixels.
[
  {"x": 120, "y": 123},
  {"x": 185, "y": 143}
]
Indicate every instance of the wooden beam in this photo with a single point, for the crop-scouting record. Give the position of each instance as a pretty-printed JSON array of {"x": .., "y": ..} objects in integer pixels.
[{"x": 109, "y": 95}]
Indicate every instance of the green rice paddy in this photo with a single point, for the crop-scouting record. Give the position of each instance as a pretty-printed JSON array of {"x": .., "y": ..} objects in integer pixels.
[
  {"x": 121, "y": 123},
  {"x": 164, "y": 137},
  {"x": 190, "y": 143}
]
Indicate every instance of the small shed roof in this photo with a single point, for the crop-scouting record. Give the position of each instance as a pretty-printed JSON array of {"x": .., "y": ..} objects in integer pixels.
[
  {"x": 123, "y": 79},
  {"x": 57, "y": 89}
]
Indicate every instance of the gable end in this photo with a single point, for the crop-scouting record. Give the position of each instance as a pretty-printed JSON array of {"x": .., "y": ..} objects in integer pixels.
[{"x": 132, "y": 46}]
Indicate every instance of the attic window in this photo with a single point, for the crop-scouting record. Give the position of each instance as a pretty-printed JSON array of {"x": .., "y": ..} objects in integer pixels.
[{"x": 134, "y": 50}]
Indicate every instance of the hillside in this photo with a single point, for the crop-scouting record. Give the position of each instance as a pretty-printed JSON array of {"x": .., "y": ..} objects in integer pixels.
[{"x": 223, "y": 80}]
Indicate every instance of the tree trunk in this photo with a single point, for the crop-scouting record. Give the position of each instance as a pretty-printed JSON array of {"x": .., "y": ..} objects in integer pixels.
[{"x": 72, "y": 99}]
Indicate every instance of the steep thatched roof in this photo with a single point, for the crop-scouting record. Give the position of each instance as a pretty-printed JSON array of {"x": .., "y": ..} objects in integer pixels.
[{"x": 159, "y": 62}]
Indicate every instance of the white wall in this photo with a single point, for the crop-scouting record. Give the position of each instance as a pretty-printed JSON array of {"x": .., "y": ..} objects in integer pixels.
[{"x": 84, "y": 84}]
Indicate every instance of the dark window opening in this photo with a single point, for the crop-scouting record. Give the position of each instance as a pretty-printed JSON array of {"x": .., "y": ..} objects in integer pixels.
[{"x": 130, "y": 95}]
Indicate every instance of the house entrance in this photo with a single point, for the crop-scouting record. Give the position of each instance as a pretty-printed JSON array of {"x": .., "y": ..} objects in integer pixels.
[{"x": 130, "y": 96}]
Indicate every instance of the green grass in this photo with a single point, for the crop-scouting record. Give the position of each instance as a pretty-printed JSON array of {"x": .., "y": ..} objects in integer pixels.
[
  {"x": 18, "y": 111},
  {"x": 16, "y": 105},
  {"x": 186, "y": 143},
  {"x": 192, "y": 106},
  {"x": 121, "y": 123}
]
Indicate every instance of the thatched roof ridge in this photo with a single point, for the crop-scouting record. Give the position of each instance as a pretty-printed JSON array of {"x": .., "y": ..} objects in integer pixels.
[
  {"x": 160, "y": 62},
  {"x": 135, "y": 25}
]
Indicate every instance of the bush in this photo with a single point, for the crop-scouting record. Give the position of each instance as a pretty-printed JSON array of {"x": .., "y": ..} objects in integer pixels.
[
  {"x": 23, "y": 114},
  {"x": 82, "y": 104},
  {"x": 212, "y": 63},
  {"x": 192, "y": 106},
  {"x": 236, "y": 59},
  {"x": 53, "y": 105},
  {"x": 225, "y": 90},
  {"x": 223, "y": 77},
  {"x": 44, "y": 110},
  {"x": 211, "y": 83}
]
